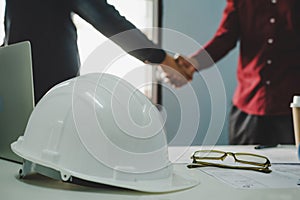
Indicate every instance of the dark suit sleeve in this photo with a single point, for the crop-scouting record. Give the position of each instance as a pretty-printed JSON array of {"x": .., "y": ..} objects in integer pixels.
[
  {"x": 224, "y": 40},
  {"x": 106, "y": 19}
]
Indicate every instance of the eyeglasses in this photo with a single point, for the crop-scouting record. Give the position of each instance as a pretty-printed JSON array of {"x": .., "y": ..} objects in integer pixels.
[{"x": 246, "y": 161}]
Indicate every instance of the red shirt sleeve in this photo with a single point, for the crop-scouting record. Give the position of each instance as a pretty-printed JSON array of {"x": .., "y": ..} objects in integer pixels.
[{"x": 224, "y": 39}]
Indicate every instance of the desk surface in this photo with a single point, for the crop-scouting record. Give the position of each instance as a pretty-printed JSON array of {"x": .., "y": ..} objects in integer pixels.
[{"x": 39, "y": 187}]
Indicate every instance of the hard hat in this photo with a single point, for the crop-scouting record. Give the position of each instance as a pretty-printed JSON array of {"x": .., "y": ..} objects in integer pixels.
[{"x": 97, "y": 127}]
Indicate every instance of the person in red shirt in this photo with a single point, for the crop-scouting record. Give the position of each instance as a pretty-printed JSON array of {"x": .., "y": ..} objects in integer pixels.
[{"x": 268, "y": 69}]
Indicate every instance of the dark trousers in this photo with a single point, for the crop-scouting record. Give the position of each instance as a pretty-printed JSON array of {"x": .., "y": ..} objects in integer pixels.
[{"x": 264, "y": 130}]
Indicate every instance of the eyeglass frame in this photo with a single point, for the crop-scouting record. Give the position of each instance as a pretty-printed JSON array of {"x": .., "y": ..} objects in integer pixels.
[{"x": 261, "y": 167}]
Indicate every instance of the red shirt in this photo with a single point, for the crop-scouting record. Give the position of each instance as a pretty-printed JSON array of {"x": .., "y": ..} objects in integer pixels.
[{"x": 269, "y": 61}]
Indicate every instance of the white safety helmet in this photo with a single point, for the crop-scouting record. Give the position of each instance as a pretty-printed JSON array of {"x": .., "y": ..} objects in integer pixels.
[{"x": 99, "y": 128}]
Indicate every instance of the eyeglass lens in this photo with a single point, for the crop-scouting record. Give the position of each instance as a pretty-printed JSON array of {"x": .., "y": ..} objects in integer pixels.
[{"x": 251, "y": 158}]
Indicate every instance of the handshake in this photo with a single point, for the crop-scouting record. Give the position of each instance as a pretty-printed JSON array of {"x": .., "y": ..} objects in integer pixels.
[{"x": 178, "y": 70}]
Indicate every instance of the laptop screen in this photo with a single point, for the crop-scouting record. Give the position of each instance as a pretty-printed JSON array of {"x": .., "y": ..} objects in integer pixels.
[{"x": 16, "y": 95}]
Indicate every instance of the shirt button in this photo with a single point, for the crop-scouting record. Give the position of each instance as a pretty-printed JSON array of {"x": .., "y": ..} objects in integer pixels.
[
  {"x": 270, "y": 41},
  {"x": 269, "y": 62},
  {"x": 268, "y": 82},
  {"x": 274, "y": 1},
  {"x": 272, "y": 20}
]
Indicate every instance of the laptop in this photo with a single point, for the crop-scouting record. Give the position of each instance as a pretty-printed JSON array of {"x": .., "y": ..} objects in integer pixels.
[{"x": 16, "y": 95}]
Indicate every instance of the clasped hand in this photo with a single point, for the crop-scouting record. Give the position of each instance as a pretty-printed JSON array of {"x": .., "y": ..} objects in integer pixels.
[{"x": 178, "y": 70}]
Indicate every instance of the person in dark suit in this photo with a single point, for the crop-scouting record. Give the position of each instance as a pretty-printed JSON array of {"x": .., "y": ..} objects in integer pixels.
[{"x": 48, "y": 25}]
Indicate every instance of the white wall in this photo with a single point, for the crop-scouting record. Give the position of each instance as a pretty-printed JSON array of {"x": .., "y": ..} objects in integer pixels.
[
  {"x": 2, "y": 9},
  {"x": 199, "y": 20}
]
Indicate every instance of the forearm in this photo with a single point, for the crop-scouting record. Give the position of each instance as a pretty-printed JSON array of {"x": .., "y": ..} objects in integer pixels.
[
  {"x": 213, "y": 51},
  {"x": 225, "y": 38},
  {"x": 107, "y": 20}
]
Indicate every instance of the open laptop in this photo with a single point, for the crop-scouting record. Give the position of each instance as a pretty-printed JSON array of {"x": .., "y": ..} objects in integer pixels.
[{"x": 16, "y": 95}]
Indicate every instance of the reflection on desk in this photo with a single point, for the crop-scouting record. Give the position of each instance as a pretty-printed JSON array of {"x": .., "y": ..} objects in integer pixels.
[{"x": 39, "y": 187}]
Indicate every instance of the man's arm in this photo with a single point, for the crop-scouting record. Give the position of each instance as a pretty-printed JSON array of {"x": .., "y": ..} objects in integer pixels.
[
  {"x": 224, "y": 40},
  {"x": 106, "y": 19}
]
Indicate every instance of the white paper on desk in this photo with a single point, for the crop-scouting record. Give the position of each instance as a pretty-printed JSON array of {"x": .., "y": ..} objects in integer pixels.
[
  {"x": 280, "y": 154},
  {"x": 282, "y": 176}
]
